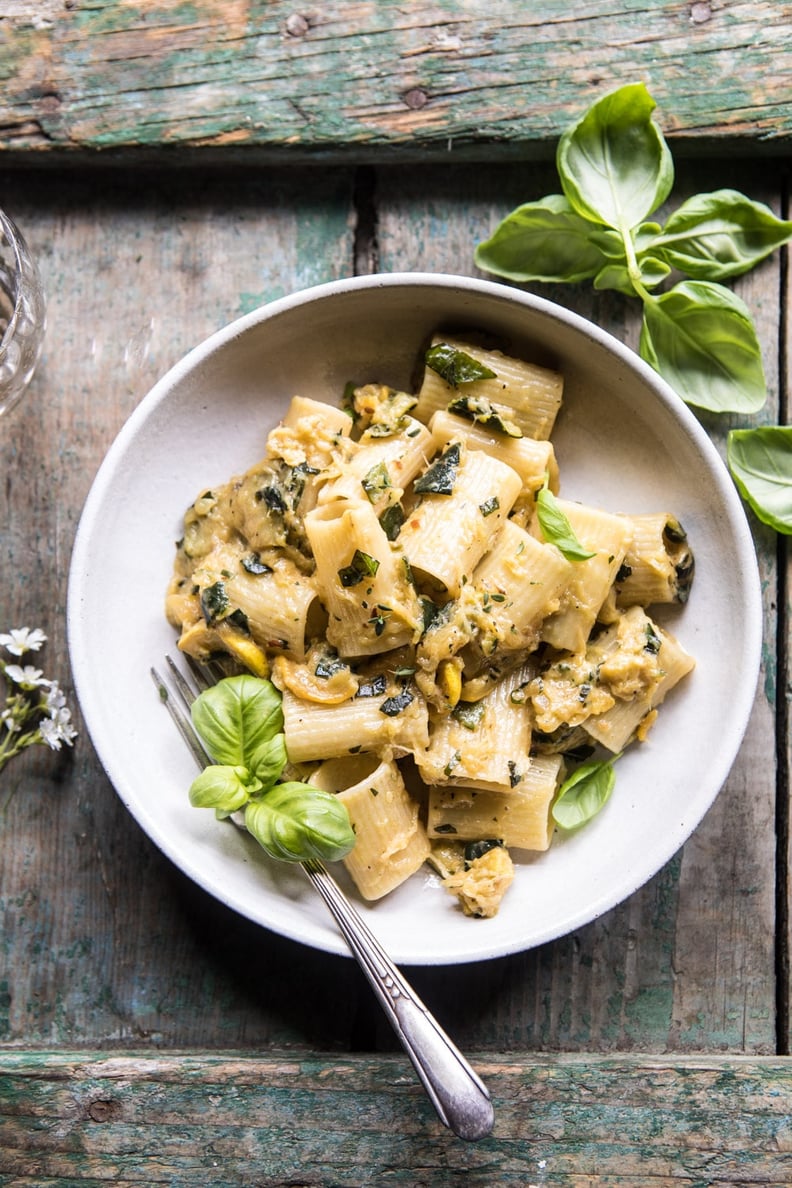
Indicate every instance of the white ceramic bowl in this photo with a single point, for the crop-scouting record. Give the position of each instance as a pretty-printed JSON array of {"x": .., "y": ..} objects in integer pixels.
[{"x": 624, "y": 442}]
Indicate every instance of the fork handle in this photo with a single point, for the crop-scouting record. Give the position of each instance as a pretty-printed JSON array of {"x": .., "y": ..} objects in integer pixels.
[{"x": 457, "y": 1093}]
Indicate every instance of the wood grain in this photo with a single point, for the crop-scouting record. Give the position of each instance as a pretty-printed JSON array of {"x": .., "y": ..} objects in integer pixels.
[
  {"x": 361, "y": 80},
  {"x": 84, "y": 1118},
  {"x": 140, "y": 267}
]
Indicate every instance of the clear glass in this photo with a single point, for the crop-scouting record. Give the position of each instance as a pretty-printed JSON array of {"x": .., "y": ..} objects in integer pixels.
[{"x": 22, "y": 314}]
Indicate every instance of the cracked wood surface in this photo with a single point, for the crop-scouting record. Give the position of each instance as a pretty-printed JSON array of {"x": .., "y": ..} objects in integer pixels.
[
  {"x": 84, "y": 1118},
  {"x": 381, "y": 80}
]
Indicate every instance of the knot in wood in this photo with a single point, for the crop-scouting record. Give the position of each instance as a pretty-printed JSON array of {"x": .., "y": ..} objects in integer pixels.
[
  {"x": 104, "y": 1110},
  {"x": 296, "y": 25},
  {"x": 700, "y": 12},
  {"x": 416, "y": 98}
]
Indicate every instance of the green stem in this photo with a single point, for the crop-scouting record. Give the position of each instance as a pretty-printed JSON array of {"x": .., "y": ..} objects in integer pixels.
[{"x": 633, "y": 268}]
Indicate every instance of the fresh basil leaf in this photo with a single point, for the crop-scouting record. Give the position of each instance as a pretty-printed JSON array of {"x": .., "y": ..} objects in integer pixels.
[
  {"x": 238, "y": 719},
  {"x": 440, "y": 477},
  {"x": 295, "y": 822},
  {"x": 456, "y": 367},
  {"x": 722, "y": 234},
  {"x": 699, "y": 336},
  {"x": 542, "y": 241},
  {"x": 584, "y": 793},
  {"x": 224, "y": 788},
  {"x": 614, "y": 164},
  {"x": 556, "y": 527},
  {"x": 760, "y": 461}
]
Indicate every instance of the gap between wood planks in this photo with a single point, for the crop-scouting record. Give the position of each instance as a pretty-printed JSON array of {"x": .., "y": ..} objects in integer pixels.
[{"x": 782, "y": 691}]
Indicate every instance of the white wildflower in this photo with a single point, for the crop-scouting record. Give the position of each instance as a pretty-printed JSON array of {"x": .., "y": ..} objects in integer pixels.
[
  {"x": 55, "y": 731},
  {"x": 54, "y": 699},
  {"x": 35, "y": 708},
  {"x": 22, "y": 639},
  {"x": 27, "y": 677}
]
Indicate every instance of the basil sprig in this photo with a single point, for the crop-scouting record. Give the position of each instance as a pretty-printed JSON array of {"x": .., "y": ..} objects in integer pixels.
[
  {"x": 616, "y": 170},
  {"x": 556, "y": 528},
  {"x": 240, "y": 721},
  {"x": 584, "y": 793}
]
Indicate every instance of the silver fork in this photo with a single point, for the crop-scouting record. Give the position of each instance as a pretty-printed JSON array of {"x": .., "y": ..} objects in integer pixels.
[{"x": 457, "y": 1093}]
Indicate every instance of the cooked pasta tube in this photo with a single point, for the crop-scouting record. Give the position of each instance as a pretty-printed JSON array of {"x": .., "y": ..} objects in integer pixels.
[
  {"x": 520, "y": 818},
  {"x": 640, "y": 663},
  {"x": 658, "y": 564},
  {"x": 364, "y": 585},
  {"x": 482, "y": 744},
  {"x": 521, "y": 581},
  {"x": 608, "y": 537},
  {"x": 452, "y": 526},
  {"x": 391, "y": 843},
  {"x": 315, "y": 731},
  {"x": 380, "y": 468},
  {"x": 533, "y": 460},
  {"x": 523, "y": 393}
]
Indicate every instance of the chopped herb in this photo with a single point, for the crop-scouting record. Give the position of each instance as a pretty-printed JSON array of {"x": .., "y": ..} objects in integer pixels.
[
  {"x": 653, "y": 640},
  {"x": 478, "y": 849},
  {"x": 327, "y": 666},
  {"x": 214, "y": 602},
  {"x": 361, "y": 565},
  {"x": 404, "y": 672},
  {"x": 394, "y": 705},
  {"x": 295, "y": 483},
  {"x": 391, "y": 520},
  {"x": 409, "y": 576},
  {"x": 456, "y": 367},
  {"x": 468, "y": 713},
  {"x": 445, "y": 828},
  {"x": 378, "y": 621},
  {"x": 240, "y": 621},
  {"x": 489, "y": 506},
  {"x": 273, "y": 498},
  {"x": 483, "y": 412},
  {"x": 433, "y": 615},
  {"x": 374, "y": 791},
  {"x": 253, "y": 564},
  {"x": 374, "y": 687},
  {"x": 453, "y": 762},
  {"x": 439, "y": 479},
  {"x": 375, "y": 481},
  {"x": 515, "y": 775}
]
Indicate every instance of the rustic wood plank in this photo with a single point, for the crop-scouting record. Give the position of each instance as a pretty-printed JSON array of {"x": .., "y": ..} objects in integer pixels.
[
  {"x": 139, "y": 268},
  {"x": 84, "y": 1118},
  {"x": 354, "y": 79}
]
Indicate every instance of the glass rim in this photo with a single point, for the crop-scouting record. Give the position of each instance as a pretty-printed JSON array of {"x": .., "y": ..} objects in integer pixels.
[{"x": 14, "y": 238}]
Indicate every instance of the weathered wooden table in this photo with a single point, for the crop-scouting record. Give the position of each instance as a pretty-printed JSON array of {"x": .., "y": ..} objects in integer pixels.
[{"x": 174, "y": 165}]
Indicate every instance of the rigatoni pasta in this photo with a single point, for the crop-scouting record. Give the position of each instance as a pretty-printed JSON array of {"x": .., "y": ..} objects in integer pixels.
[{"x": 445, "y": 632}]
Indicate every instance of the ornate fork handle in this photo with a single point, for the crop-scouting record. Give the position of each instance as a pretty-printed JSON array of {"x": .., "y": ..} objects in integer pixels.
[
  {"x": 460, "y": 1097},
  {"x": 457, "y": 1093}
]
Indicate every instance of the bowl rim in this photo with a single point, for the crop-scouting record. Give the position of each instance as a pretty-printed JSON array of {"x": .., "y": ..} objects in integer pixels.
[{"x": 678, "y": 833}]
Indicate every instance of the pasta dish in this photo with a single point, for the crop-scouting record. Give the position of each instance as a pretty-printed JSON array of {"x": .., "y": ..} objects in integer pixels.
[{"x": 449, "y": 636}]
